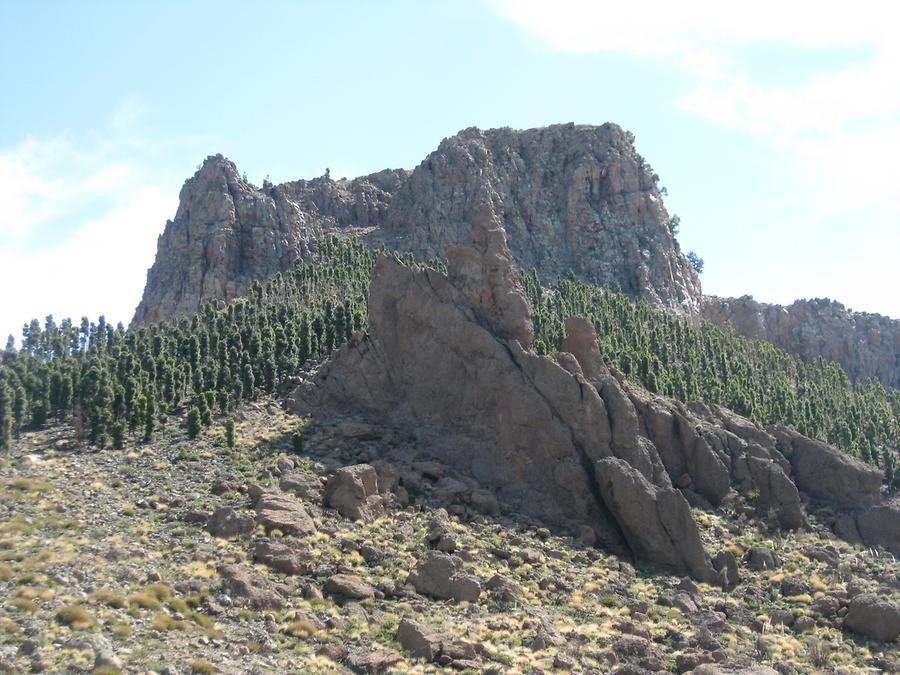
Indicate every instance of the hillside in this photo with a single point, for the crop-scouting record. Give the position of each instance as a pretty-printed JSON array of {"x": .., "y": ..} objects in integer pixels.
[
  {"x": 438, "y": 495},
  {"x": 574, "y": 200},
  {"x": 361, "y": 445}
]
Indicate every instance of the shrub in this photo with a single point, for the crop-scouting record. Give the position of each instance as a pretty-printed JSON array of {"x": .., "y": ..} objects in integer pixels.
[{"x": 75, "y": 616}]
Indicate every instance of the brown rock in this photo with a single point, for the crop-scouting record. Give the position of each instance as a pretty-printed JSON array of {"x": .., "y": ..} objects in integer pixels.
[
  {"x": 276, "y": 510},
  {"x": 421, "y": 642},
  {"x": 283, "y": 558},
  {"x": 349, "y": 586},
  {"x": 874, "y": 616},
  {"x": 303, "y": 485},
  {"x": 226, "y": 522},
  {"x": 372, "y": 661},
  {"x": 249, "y": 586},
  {"x": 353, "y": 492},
  {"x": 441, "y": 576}
]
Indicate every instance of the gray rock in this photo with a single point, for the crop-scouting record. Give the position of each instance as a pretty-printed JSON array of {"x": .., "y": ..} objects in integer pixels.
[
  {"x": 759, "y": 558},
  {"x": 288, "y": 559},
  {"x": 874, "y": 617},
  {"x": 353, "y": 492},
  {"x": 441, "y": 576},
  {"x": 249, "y": 586},
  {"x": 226, "y": 522},
  {"x": 276, "y": 510},
  {"x": 349, "y": 586}
]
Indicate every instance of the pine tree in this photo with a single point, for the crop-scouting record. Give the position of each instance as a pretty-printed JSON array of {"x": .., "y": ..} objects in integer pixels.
[
  {"x": 6, "y": 417},
  {"x": 149, "y": 419},
  {"x": 193, "y": 423},
  {"x": 118, "y": 435},
  {"x": 229, "y": 432}
]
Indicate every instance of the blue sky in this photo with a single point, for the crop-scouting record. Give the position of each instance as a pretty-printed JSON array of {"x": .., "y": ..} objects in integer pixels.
[{"x": 775, "y": 130}]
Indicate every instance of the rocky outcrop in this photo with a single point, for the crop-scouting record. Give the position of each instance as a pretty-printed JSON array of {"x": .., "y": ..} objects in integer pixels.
[
  {"x": 566, "y": 440},
  {"x": 865, "y": 345},
  {"x": 227, "y": 233},
  {"x": 572, "y": 198}
]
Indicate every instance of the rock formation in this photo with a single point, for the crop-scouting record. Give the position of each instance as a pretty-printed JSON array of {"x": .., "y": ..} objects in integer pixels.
[
  {"x": 571, "y": 198},
  {"x": 866, "y": 345},
  {"x": 568, "y": 440},
  {"x": 227, "y": 233}
]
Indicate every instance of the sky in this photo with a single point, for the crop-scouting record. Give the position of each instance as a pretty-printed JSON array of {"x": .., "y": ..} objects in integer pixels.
[{"x": 774, "y": 126}]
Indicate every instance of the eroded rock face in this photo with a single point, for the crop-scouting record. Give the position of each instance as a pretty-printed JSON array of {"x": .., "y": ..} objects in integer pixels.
[
  {"x": 866, "y": 345},
  {"x": 568, "y": 440},
  {"x": 571, "y": 198},
  {"x": 445, "y": 358},
  {"x": 227, "y": 233}
]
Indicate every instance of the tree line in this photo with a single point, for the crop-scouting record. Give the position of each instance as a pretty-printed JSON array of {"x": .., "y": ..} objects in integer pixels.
[
  {"x": 670, "y": 356},
  {"x": 111, "y": 383}
]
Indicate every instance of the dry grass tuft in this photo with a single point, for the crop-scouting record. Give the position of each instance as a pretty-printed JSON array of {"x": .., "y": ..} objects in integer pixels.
[
  {"x": 201, "y": 667},
  {"x": 75, "y": 616}
]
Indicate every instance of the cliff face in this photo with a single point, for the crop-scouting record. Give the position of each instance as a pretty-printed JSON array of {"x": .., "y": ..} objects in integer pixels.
[
  {"x": 866, "y": 345},
  {"x": 227, "y": 233},
  {"x": 447, "y": 362},
  {"x": 571, "y": 198}
]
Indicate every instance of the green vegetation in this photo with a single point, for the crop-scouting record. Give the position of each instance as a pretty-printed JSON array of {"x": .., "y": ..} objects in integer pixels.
[
  {"x": 109, "y": 382},
  {"x": 671, "y": 357}
]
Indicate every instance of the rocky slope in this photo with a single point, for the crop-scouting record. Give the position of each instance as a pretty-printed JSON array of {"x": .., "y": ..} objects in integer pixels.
[
  {"x": 572, "y": 199},
  {"x": 866, "y": 345},
  {"x": 157, "y": 559},
  {"x": 447, "y": 361}
]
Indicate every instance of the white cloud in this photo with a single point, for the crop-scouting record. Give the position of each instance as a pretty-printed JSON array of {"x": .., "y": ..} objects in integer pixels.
[
  {"x": 836, "y": 132},
  {"x": 80, "y": 221},
  {"x": 100, "y": 270},
  {"x": 840, "y": 127}
]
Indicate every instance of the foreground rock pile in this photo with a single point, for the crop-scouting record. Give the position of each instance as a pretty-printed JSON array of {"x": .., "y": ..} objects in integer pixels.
[
  {"x": 569, "y": 441},
  {"x": 110, "y": 564}
]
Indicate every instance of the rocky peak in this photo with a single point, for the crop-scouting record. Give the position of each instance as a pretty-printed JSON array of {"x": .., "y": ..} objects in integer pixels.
[
  {"x": 571, "y": 198},
  {"x": 485, "y": 274}
]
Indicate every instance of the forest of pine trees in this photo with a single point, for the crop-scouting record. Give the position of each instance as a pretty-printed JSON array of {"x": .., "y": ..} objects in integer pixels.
[{"x": 112, "y": 384}]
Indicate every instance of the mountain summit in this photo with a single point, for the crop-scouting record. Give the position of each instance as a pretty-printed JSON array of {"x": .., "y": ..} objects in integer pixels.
[{"x": 572, "y": 198}]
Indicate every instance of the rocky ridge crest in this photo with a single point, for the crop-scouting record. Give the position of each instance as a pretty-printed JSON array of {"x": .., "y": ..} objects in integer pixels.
[
  {"x": 571, "y": 198},
  {"x": 568, "y": 440},
  {"x": 866, "y": 345}
]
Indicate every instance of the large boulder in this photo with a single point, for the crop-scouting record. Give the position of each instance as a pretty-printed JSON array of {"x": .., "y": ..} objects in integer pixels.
[
  {"x": 873, "y": 616},
  {"x": 249, "y": 587},
  {"x": 285, "y": 558},
  {"x": 276, "y": 510},
  {"x": 440, "y": 575},
  {"x": 353, "y": 492},
  {"x": 826, "y": 473},
  {"x": 225, "y": 522},
  {"x": 656, "y": 521}
]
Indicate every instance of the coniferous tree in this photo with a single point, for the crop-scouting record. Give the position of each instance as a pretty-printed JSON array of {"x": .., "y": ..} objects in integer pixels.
[
  {"x": 193, "y": 423},
  {"x": 229, "y": 432},
  {"x": 6, "y": 416}
]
